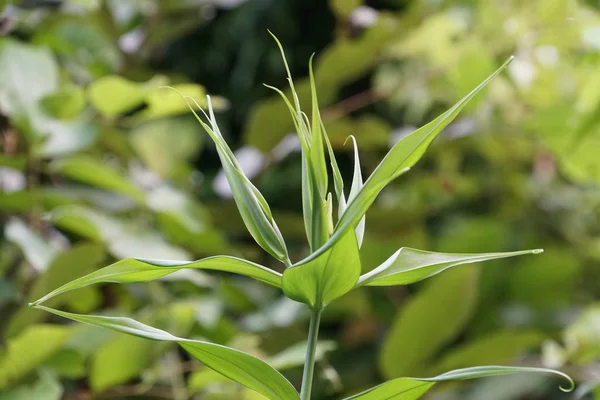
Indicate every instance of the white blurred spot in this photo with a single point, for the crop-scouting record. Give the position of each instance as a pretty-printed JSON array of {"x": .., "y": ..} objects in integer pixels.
[
  {"x": 251, "y": 162},
  {"x": 11, "y": 180},
  {"x": 289, "y": 144},
  {"x": 510, "y": 26},
  {"x": 364, "y": 16},
  {"x": 591, "y": 37},
  {"x": 547, "y": 55},
  {"x": 523, "y": 72},
  {"x": 130, "y": 42}
]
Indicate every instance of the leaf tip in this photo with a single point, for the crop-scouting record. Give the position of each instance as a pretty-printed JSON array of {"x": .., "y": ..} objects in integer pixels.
[
  {"x": 537, "y": 251},
  {"x": 31, "y": 304}
]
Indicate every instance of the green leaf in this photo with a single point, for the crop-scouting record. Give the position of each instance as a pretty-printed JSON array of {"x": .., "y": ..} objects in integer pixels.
[
  {"x": 120, "y": 360},
  {"x": 294, "y": 355},
  {"x": 165, "y": 103},
  {"x": 66, "y": 103},
  {"x": 132, "y": 270},
  {"x": 496, "y": 348},
  {"x": 414, "y": 388},
  {"x": 28, "y": 74},
  {"x": 93, "y": 172},
  {"x": 31, "y": 348},
  {"x": 399, "y": 159},
  {"x": 411, "y": 265},
  {"x": 113, "y": 95},
  {"x": 36, "y": 250},
  {"x": 234, "y": 364},
  {"x": 357, "y": 183},
  {"x": 66, "y": 266},
  {"x": 322, "y": 280},
  {"x": 430, "y": 320},
  {"x": 45, "y": 388},
  {"x": 252, "y": 205}
]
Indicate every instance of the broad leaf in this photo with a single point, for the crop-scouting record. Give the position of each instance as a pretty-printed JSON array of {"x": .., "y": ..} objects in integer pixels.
[
  {"x": 414, "y": 388},
  {"x": 399, "y": 159},
  {"x": 132, "y": 270},
  {"x": 428, "y": 322},
  {"x": 411, "y": 265},
  {"x": 253, "y": 208},
  {"x": 234, "y": 364},
  {"x": 88, "y": 170},
  {"x": 322, "y": 280},
  {"x": 28, "y": 350},
  {"x": 113, "y": 95}
]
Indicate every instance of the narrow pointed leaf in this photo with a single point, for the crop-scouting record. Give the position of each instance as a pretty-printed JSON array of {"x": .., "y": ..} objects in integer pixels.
[
  {"x": 326, "y": 278},
  {"x": 399, "y": 159},
  {"x": 357, "y": 183},
  {"x": 411, "y": 265},
  {"x": 414, "y": 388},
  {"x": 234, "y": 364},
  {"x": 132, "y": 270},
  {"x": 253, "y": 208}
]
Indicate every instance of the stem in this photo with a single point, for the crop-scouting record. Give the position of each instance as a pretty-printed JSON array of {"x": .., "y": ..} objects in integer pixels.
[{"x": 309, "y": 360}]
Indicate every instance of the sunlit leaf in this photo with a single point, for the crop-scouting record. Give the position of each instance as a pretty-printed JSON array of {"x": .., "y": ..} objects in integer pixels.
[
  {"x": 322, "y": 280},
  {"x": 399, "y": 159},
  {"x": 93, "y": 172},
  {"x": 411, "y": 265},
  {"x": 38, "y": 252},
  {"x": 414, "y": 388},
  {"x": 138, "y": 270},
  {"x": 113, "y": 95},
  {"x": 234, "y": 364},
  {"x": 28, "y": 350}
]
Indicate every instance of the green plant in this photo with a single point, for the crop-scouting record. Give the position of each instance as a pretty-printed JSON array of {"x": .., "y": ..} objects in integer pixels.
[{"x": 331, "y": 270}]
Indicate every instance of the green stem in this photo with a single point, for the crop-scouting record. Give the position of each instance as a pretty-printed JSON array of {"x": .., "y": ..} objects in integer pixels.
[{"x": 309, "y": 360}]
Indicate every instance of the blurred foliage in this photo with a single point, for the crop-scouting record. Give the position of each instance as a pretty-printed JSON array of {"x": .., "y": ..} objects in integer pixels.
[{"x": 99, "y": 163}]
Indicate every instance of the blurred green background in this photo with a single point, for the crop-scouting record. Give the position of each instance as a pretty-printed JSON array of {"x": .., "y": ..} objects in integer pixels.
[{"x": 99, "y": 163}]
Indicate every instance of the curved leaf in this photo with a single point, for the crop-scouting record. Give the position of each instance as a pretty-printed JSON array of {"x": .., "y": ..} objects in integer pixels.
[
  {"x": 326, "y": 278},
  {"x": 398, "y": 160},
  {"x": 411, "y": 265},
  {"x": 414, "y": 388},
  {"x": 234, "y": 364},
  {"x": 253, "y": 208},
  {"x": 132, "y": 270}
]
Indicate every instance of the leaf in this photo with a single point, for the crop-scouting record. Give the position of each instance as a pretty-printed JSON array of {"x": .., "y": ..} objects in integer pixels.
[
  {"x": 124, "y": 240},
  {"x": 252, "y": 205},
  {"x": 496, "y": 348},
  {"x": 399, "y": 159},
  {"x": 67, "y": 102},
  {"x": 294, "y": 355},
  {"x": 357, "y": 183},
  {"x": 119, "y": 360},
  {"x": 28, "y": 74},
  {"x": 322, "y": 280},
  {"x": 113, "y": 95},
  {"x": 414, "y": 388},
  {"x": 411, "y": 265},
  {"x": 165, "y": 103},
  {"x": 37, "y": 251},
  {"x": 132, "y": 270},
  {"x": 430, "y": 320},
  {"x": 66, "y": 266},
  {"x": 30, "y": 349},
  {"x": 234, "y": 364},
  {"x": 91, "y": 171},
  {"x": 45, "y": 388},
  {"x": 166, "y": 144}
]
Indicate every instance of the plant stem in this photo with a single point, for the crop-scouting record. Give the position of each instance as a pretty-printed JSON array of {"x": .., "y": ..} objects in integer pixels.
[{"x": 309, "y": 360}]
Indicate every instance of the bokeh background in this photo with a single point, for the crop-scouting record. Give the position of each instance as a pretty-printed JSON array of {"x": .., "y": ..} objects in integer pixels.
[{"x": 99, "y": 163}]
